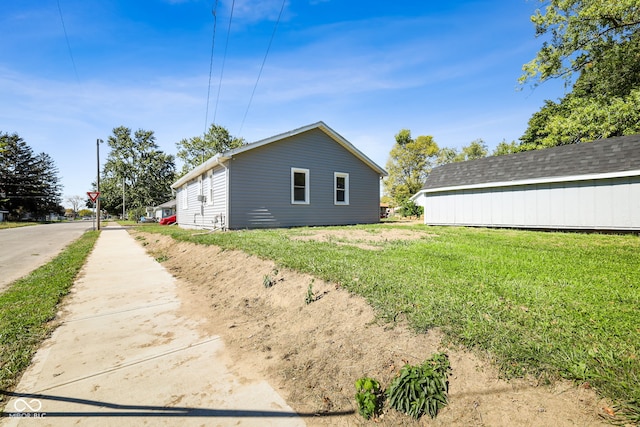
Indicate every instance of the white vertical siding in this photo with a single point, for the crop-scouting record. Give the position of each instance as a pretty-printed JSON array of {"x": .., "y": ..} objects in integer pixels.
[
  {"x": 634, "y": 204},
  {"x": 203, "y": 213},
  {"x": 497, "y": 199},
  {"x": 591, "y": 204},
  {"x": 188, "y": 208},
  {"x": 215, "y": 209},
  {"x": 543, "y": 196}
]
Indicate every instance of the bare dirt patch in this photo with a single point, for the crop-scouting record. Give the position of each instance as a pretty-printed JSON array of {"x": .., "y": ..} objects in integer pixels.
[
  {"x": 313, "y": 353},
  {"x": 363, "y": 239}
]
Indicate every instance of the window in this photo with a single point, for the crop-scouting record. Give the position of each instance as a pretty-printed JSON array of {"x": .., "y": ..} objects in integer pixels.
[
  {"x": 185, "y": 196},
  {"x": 299, "y": 186},
  {"x": 210, "y": 198},
  {"x": 341, "y": 188}
]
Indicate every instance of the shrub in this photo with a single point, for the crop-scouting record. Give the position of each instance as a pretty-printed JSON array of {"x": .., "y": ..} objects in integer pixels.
[
  {"x": 421, "y": 389},
  {"x": 369, "y": 397}
]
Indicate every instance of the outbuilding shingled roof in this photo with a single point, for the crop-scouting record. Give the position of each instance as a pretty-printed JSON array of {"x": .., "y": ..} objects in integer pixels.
[{"x": 616, "y": 154}]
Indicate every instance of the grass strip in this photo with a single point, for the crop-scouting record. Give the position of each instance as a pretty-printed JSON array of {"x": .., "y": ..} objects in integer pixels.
[
  {"x": 8, "y": 224},
  {"x": 545, "y": 304},
  {"x": 29, "y": 304}
]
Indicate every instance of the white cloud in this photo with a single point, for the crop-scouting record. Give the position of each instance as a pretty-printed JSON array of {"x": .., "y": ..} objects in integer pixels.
[{"x": 255, "y": 10}]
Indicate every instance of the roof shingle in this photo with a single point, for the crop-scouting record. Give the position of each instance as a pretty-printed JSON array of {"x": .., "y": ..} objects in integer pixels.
[{"x": 616, "y": 154}]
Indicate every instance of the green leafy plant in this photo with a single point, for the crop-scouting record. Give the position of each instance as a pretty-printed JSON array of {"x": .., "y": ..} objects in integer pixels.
[
  {"x": 369, "y": 397},
  {"x": 311, "y": 296},
  {"x": 421, "y": 389},
  {"x": 162, "y": 258},
  {"x": 268, "y": 280}
]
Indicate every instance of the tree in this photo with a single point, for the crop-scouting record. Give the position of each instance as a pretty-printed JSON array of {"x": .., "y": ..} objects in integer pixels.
[
  {"x": 585, "y": 34},
  {"x": 75, "y": 202},
  {"x": 47, "y": 187},
  {"x": 410, "y": 162},
  {"x": 29, "y": 184},
  {"x": 136, "y": 166},
  {"x": 476, "y": 149},
  {"x": 505, "y": 148},
  {"x": 194, "y": 151},
  {"x": 582, "y": 119},
  {"x": 599, "y": 41},
  {"x": 446, "y": 155}
]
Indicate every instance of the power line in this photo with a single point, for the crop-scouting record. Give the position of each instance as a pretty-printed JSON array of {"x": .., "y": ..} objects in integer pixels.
[
  {"x": 224, "y": 59},
  {"x": 214, "y": 12},
  {"x": 262, "y": 67},
  {"x": 66, "y": 37}
]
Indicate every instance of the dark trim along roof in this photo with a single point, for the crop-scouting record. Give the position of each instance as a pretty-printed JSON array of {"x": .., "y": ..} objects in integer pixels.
[{"x": 618, "y": 154}]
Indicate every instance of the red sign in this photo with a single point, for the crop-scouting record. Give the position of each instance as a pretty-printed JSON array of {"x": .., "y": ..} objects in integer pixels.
[{"x": 93, "y": 195}]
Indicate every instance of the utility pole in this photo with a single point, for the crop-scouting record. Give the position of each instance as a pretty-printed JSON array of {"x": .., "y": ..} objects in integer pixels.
[
  {"x": 123, "y": 210},
  {"x": 98, "y": 141}
]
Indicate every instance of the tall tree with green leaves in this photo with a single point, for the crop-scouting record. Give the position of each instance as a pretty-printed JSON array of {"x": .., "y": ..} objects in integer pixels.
[
  {"x": 194, "y": 151},
  {"x": 584, "y": 34},
  {"x": 29, "y": 183},
  {"x": 410, "y": 162},
  {"x": 476, "y": 149},
  {"x": 594, "y": 45},
  {"x": 48, "y": 189},
  {"x": 505, "y": 147},
  {"x": 138, "y": 167}
]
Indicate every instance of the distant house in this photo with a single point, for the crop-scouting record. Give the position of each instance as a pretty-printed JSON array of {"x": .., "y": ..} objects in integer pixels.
[
  {"x": 309, "y": 176},
  {"x": 3, "y": 215},
  {"x": 591, "y": 186},
  {"x": 164, "y": 210}
]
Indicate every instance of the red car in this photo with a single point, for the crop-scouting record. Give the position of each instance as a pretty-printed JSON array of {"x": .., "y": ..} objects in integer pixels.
[{"x": 168, "y": 220}]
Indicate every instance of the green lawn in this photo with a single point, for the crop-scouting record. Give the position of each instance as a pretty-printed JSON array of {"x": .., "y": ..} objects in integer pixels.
[
  {"x": 546, "y": 304},
  {"x": 29, "y": 304}
]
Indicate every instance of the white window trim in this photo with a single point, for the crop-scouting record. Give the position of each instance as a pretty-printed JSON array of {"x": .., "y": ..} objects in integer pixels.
[
  {"x": 306, "y": 187},
  {"x": 337, "y": 175},
  {"x": 185, "y": 196},
  {"x": 210, "y": 195}
]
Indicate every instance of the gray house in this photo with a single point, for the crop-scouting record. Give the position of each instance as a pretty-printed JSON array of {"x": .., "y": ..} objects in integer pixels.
[
  {"x": 306, "y": 177},
  {"x": 591, "y": 186}
]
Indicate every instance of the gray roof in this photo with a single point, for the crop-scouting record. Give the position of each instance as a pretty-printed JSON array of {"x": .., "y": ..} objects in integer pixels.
[
  {"x": 222, "y": 157},
  {"x": 169, "y": 204},
  {"x": 610, "y": 155}
]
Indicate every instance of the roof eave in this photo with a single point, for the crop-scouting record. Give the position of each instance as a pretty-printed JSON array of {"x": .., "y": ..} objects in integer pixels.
[
  {"x": 543, "y": 180},
  {"x": 227, "y": 155},
  {"x": 198, "y": 170}
]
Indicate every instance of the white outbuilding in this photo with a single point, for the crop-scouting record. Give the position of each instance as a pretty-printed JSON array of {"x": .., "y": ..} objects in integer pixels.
[{"x": 587, "y": 186}]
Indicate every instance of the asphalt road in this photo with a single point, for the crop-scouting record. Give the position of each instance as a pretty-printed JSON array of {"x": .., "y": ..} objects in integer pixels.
[{"x": 24, "y": 249}]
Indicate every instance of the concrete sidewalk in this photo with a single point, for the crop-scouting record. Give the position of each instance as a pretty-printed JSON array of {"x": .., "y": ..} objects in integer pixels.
[{"x": 124, "y": 356}]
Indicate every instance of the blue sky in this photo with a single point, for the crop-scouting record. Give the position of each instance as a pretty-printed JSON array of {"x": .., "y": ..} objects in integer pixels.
[{"x": 367, "y": 68}]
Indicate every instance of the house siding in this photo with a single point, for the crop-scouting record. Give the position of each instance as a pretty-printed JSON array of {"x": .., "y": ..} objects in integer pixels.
[
  {"x": 260, "y": 185},
  {"x": 191, "y": 214},
  {"x": 204, "y": 214},
  {"x": 607, "y": 204}
]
